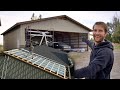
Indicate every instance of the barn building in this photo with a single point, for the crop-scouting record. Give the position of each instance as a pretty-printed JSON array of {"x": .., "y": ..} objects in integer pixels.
[{"x": 63, "y": 28}]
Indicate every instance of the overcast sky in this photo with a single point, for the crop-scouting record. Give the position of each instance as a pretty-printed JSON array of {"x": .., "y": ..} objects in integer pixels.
[{"x": 87, "y": 18}]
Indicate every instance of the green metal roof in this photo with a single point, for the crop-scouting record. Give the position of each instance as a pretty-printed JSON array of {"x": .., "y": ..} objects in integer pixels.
[{"x": 40, "y": 61}]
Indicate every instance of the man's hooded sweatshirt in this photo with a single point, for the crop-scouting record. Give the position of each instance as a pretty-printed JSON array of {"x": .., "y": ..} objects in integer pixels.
[{"x": 101, "y": 62}]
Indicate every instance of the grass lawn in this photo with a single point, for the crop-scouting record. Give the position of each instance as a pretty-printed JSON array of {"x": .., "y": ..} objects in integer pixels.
[
  {"x": 116, "y": 46},
  {"x": 1, "y": 48}
]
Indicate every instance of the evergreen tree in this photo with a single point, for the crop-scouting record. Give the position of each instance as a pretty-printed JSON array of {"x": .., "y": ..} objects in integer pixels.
[{"x": 114, "y": 30}]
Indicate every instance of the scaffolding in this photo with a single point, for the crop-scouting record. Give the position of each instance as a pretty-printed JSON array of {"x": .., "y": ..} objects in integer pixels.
[{"x": 44, "y": 35}]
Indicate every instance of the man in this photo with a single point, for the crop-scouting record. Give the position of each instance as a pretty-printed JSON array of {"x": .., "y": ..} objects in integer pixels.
[{"x": 101, "y": 58}]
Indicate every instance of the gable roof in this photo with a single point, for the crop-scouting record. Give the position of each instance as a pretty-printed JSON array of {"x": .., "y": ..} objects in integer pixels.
[{"x": 43, "y": 19}]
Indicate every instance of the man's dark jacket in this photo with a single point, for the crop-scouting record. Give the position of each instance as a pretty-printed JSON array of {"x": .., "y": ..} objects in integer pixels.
[{"x": 101, "y": 62}]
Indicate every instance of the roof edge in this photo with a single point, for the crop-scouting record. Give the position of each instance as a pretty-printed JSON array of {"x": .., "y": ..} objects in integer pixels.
[{"x": 48, "y": 18}]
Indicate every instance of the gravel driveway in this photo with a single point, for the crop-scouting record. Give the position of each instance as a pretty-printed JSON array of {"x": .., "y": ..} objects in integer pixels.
[
  {"x": 115, "y": 74},
  {"x": 82, "y": 59}
]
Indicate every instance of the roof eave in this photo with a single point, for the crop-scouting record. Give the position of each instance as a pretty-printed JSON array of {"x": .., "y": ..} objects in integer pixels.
[
  {"x": 17, "y": 24},
  {"x": 62, "y": 16},
  {"x": 78, "y": 23}
]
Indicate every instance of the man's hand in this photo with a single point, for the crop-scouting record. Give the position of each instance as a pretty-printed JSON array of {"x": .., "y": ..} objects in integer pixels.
[{"x": 83, "y": 39}]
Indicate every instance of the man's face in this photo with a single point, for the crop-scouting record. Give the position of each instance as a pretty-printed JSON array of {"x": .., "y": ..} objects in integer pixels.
[{"x": 98, "y": 33}]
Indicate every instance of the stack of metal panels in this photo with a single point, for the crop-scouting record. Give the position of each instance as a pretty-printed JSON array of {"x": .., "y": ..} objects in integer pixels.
[{"x": 54, "y": 54}]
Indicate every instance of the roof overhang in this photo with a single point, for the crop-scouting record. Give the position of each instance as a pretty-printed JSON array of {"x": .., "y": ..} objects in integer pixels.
[{"x": 49, "y": 18}]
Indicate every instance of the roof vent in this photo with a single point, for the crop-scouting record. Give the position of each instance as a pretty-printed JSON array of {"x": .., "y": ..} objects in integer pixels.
[
  {"x": 40, "y": 16},
  {"x": 33, "y": 17}
]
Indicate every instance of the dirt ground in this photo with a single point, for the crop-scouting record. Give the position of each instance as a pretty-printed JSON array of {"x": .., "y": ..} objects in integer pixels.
[{"x": 82, "y": 59}]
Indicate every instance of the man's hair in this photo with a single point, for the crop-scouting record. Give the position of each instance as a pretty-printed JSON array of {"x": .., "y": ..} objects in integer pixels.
[{"x": 104, "y": 25}]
